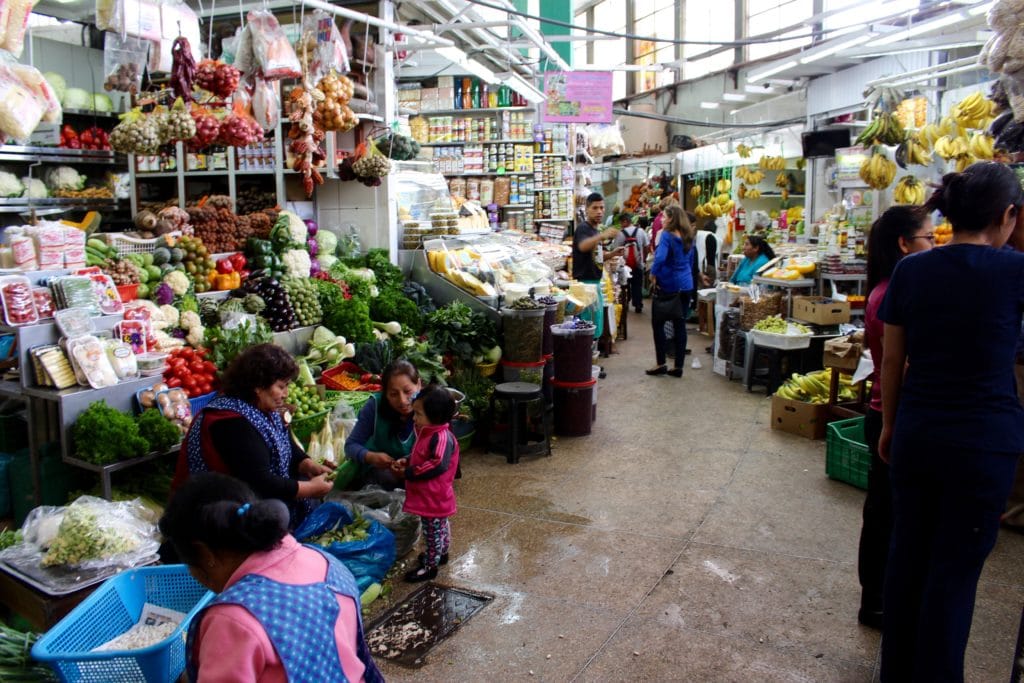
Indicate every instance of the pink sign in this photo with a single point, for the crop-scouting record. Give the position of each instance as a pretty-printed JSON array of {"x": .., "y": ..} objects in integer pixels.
[{"x": 578, "y": 97}]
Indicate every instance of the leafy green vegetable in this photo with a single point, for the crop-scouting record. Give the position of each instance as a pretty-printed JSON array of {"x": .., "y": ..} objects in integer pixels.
[
  {"x": 374, "y": 356},
  {"x": 225, "y": 345},
  {"x": 103, "y": 435},
  {"x": 457, "y": 330},
  {"x": 419, "y": 296},
  {"x": 189, "y": 302},
  {"x": 428, "y": 361},
  {"x": 161, "y": 433},
  {"x": 389, "y": 276},
  {"x": 9, "y": 537},
  {"x": 477, "y": 388},
  {"x": 357, "y": 285},
  {"x": 348, "y": 317},
  {"x": 16, "y": 663},
  {"x": 393, "y": 305}
]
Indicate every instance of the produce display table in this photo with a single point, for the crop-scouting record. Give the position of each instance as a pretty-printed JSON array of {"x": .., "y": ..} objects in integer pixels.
[
  {"x": 788, "y": 285},
  {"x": 38, "y": 608}
]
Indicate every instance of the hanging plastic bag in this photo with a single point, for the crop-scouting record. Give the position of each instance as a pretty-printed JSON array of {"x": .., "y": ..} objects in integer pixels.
[
  {"x": 368, "y": 559},
  {"x": 20, "y": 109},
  {"x": 266, "y": 104},
  {"x": 229, "y": 47},
  {"x": 606, "y": 139},
  {"x": 110, "y": 15},
  {"x": 373, "y": 502},
  {"x": 32, "y": 79},
  {"x": 14, "y": 17},
  {"x": 274, "y": 54},
  {"x": 123, "y": 61},
  {"x": 321, "y": 47}
]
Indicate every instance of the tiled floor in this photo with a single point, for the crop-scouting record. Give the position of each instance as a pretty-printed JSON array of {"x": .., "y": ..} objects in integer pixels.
[{"x": 683, "y": 540}]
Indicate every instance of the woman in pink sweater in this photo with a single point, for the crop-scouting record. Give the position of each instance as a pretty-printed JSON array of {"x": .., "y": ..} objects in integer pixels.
[
  {"x": 429, "y": 473},
  {"x": 284, "y": 611}
]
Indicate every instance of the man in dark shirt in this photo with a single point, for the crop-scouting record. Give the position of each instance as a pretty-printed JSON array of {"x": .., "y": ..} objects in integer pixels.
[{"x": 586, "y": 242}]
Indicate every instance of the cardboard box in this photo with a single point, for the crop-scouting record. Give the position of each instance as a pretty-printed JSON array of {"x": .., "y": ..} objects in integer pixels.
[
  {"x": 796, "y": 417},
  {"x": 820, "y": 311},
  {"x": 842, "y": 354}
]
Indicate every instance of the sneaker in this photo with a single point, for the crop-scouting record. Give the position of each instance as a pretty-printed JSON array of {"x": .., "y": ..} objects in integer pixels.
[{"x": 420, "y": 575}]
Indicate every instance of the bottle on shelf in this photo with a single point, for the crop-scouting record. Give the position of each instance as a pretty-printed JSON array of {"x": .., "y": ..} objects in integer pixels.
[
  {"x": 458, "y": 94},
  {"x": 467, "y": 93}
]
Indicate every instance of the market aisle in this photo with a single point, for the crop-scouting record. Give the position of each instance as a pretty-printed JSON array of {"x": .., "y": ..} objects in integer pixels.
[{"x": 683, "y": 540}]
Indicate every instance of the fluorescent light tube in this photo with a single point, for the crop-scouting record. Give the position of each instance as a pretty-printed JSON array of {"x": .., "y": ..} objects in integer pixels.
[
  {"x": 980, "y": 9},
  {"x": 832, "y": 49},
  {"x": 734, "y": 97},
  {"x": 522, "y": 86},
  {"x": 709, "y": 105},
  {"x": 923, "y": 27},
  {"x": 461, "y": 59},
  {"x": 771, "y": 71}
]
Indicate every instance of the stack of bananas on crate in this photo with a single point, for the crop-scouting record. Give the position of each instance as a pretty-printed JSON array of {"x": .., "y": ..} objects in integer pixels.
[{"x": 813, "y": 387}]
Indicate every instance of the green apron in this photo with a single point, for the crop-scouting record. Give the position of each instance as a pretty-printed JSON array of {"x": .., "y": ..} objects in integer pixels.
[{"x": 383, "y": 440}]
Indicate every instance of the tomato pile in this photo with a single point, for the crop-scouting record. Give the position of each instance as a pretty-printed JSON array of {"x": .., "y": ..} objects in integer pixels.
[{"x": 188, "y": 368}]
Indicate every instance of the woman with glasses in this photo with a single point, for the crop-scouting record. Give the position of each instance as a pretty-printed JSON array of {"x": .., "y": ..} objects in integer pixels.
[
  {"x": 952, "y": 425},
  {"x": 900, "y": 231}
]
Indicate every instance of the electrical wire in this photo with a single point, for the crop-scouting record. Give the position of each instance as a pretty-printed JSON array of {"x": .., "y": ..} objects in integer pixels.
[
  {"x": 655, "y": 39},
  {"x": 705, "y": 124}
]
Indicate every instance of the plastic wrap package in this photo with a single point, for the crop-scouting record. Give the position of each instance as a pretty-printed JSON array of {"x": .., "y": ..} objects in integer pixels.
[
  {"x": 266, "y": 104},
  {"x": 530, "y": 271},
  {"x": 21, "y": 109},
  {"x": 123, "y": 62},
  {"x": 373, "y": 502},
  {"x": 245, "y": 58},
  {"x": 605, "y": 139},
  {"x": 321, "y": 47},
  {"x": 33, "y": 80},
  {"x": 14, "y": 19},
  {"x": 368, "y": 559},
  {"x": 273, "y": 53},
  {"x": 90, "y": 533}
]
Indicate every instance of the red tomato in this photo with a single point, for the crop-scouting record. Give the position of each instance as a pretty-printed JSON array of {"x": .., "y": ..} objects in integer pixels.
[
  {"x": 211, "y": 368},
  {"x": 197, "y": 367},
  {"x": 173, "y": 382},
  {"x": 187, "y": 353},
  {"x": 205, "y": 388}
]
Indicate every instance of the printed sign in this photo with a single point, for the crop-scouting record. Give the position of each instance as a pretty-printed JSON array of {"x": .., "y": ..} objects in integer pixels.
[{"x": 578, "y": 97}]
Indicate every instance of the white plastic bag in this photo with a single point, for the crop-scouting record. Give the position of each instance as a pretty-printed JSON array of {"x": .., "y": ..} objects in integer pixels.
[
  {"x": 266, "y": 104},
  {"x": 274, "y": 54}
]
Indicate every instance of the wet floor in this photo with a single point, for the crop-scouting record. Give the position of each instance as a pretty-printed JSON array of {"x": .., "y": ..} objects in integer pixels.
[{"x": 682, "y": 540}]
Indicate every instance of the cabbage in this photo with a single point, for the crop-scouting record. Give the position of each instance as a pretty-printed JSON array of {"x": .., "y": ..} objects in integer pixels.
[
  {"x": 327, "y": 241},
  {"x": 102, "y": 102},
  {"x": 35, "y": 188},
  {"x": 56, "y": 82},
  {"x": 76, "y": 98},
  {"x": 326, "y": 260},
  {"x": 10, "y": 186}
]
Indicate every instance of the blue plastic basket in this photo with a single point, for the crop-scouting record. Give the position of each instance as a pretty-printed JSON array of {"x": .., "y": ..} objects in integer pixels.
[
  {"x": 113, "y": 609},
  {"x": 199, "y": 402}
]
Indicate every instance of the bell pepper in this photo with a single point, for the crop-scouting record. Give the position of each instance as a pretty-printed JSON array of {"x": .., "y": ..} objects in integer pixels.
[
  {"x": 227, "y": 281},
  {"x": 257, "y": 247},
  {"x": 225, "y": 266},
  {"x": 238, "y": 261},
  {"x": 244, "y": 274}
]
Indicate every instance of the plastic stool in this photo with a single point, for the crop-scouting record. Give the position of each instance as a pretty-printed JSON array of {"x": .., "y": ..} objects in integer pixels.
[
  {"x": 520, "y": 439},
  {"x": 775, "y": 358}
]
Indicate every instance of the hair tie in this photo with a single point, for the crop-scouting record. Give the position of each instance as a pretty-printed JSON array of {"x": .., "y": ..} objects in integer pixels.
[{"x": 242, "y": 509}]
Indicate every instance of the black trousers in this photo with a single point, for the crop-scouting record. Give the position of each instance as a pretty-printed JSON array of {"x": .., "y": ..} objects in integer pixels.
[
  {"x": 678, "y": 335},
  {"x": 876, "y": 530},
  {"x": 636, "y": 289},
  {"x": 946, "y": 507}
]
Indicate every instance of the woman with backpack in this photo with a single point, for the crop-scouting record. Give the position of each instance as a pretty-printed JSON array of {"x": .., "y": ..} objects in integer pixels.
[{"x": 633, "y": 239}]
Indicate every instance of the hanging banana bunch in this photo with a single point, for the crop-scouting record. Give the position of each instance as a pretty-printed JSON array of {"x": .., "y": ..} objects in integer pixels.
[
  {"x": 878, "y": 171},
  {"x": 909, "y": 190}
]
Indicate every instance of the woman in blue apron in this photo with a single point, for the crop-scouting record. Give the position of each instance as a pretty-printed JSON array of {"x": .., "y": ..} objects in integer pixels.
[
  {"x": 283, "y": 611},
  {"x": 383, "y": 431}
]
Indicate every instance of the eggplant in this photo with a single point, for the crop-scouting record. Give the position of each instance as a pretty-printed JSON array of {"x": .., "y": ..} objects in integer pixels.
[{"x": 999, "y": 123}]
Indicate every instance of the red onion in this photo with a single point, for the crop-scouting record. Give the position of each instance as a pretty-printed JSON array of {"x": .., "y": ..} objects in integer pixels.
[
  {"x": 314, "y": 267},
  {"x": 312, "y": 246},
  {"x": 311, "y": 227}
]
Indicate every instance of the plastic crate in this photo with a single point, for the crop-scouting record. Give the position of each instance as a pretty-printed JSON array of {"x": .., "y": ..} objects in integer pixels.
[
  {"x": 356, "y": 399},
  {"x": 200, "y": 402},
  {"x": 135, "y": 245},
  {"x": 304, "y": 427},
  {"x": 110, "y": 611},
  {"x": 847, "y": 457},
  {"x": 786, "y": 342}
]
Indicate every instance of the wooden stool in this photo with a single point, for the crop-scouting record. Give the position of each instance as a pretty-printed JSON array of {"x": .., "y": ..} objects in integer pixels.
[{"x": 519, "y": 439}]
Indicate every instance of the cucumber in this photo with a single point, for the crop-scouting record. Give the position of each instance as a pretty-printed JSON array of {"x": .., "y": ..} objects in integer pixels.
[{"x": 97, "y": 244}]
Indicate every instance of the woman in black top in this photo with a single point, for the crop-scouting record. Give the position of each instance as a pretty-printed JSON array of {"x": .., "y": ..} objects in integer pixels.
[{"x": 242, "y": 433}]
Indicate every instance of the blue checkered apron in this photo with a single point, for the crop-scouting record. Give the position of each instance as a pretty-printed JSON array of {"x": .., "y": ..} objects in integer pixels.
[{"x": 299, "y": 620}]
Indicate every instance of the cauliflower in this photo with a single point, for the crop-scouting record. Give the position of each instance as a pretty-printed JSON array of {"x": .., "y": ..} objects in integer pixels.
[
  {"x": 165, "y": 342},
  {"x": 179, "y": 282},
  {"x": 10, "y": 186},
  {"x": 64, "y": 178},
  {"x": 296, "y": 228},
  {"x": 195, "y": 336},
  {"x": 35, "y": 188},
  {"x": 297, "y": 262},
  {"x": 170, "y": 315},
  {"x": 327, "y": 241},
  {"x": 190, "y": 320}
]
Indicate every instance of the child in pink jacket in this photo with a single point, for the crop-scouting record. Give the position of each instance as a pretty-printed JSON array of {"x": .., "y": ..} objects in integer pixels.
[{"x": 429, "y": 472}]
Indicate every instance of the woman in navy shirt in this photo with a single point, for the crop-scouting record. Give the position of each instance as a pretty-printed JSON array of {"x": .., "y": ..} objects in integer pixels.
[
  {"x": 672, "y": 274},
  {"x": 952, "y": 425}
]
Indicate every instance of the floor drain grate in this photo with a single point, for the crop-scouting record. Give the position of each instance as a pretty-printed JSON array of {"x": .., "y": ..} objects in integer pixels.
[{"x": 408, "y": 631}]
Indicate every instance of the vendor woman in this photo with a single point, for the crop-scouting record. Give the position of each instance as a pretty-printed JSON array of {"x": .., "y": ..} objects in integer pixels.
[
  {"x": 756, "y": 253},
  {"x": 384, "y": 430},
  {"x": 242, "y": 433}
]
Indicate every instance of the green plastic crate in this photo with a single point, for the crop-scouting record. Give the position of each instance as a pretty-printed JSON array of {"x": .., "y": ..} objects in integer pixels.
[{"x": 847, "y": 457}]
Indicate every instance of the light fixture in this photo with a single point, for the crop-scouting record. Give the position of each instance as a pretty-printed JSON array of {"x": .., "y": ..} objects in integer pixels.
[
  {"x": 734, "y": 97},
  {"x": 460, "y": 58},
  {"x": 923, "y": 27},
  {"x": 980, "y": 9},
  {"x": 834, "y": 48},
  {"x": 771, "y": 71},
  {"x": 522, "y": 86},
  {"x": 709, "y": 105}
]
